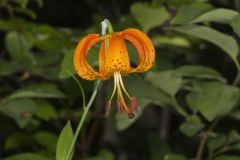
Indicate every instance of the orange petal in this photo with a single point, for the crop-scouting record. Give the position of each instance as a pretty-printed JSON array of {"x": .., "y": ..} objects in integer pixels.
[
  {"x": 81, "y": 65},
  {"x": 102, "y": 57},
  {"x": 144, "y": 47},
  {"x": 117, "y": 58}
]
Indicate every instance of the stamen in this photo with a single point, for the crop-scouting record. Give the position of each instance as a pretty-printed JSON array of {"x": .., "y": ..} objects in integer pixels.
[
  {"x": 107, "y": 109},
  {"x": 122, "y": 85},
  {"x": 119, "y": 106},
  {"x": 134, "y": 105},
  {"x": 114, "y": 88},
  {"x": 120, "y": 94}
]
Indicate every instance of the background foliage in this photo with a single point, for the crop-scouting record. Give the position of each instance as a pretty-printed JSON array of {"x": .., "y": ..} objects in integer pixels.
[{"x": 189, "y": 102}]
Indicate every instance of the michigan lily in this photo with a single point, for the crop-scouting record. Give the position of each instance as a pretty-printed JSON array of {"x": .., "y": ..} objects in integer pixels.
[{"x": 114, "y": 62}]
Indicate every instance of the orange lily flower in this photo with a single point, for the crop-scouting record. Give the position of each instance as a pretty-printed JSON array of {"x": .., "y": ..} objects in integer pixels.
[{"x": 114, "y": 61}]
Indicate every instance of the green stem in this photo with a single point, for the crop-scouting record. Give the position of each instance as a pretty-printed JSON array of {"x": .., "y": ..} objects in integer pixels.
[
  {"x": 105, "y": 25},
  {"x": 80, "y": 86},
  {"x": 80, "y": 124}
]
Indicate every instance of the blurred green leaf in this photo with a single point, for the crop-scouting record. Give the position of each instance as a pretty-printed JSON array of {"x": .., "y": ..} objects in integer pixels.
[
  {"x": 190, "y": 99},
  {"x": 64, "y": 142},
  {"x": 36, "y": 91},
  {"x": 225, "y": 42},
  {"x": 180, "y": 2},
  {"x": 27, "y": 156},
  {"x": 18, "y": 47},
  {"x": 159, "y": 40},
  {"x": 40, "y": 3},
  {"x": 217, "y": 142},
  {"x": 45, "y": 110},
  {"x": 235, "y": 24},
  {"x": 174, "y": 157},
  {"x": 189, "y": 12},
  {"x": 215, "y": 99},
  {"x": 46, "y": 139},
  {"x": 145, "y": 94},
  {"x": 191, "y": 126},
  {"x": 21, "y": 110},
  {"x": 17, "y": 140},
  {"x": 223, "y": 157},
  {"x": 165, "y": 81},
  {"x": 235, "y": 115},
  {"x": 23, "y": 3},
  {"x": 67, "y": 64},
  {"x": 219, "y": 15},
  {"x": 10, "y": 67},
  {"x": 28, "y": 12},
  {"x": 102, "y": 155},
  {"x": 152, "y": 16},
  {"x": 196, "y": 71}
]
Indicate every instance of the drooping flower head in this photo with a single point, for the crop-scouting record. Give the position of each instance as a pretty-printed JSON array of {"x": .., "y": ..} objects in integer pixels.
[{"x": 114, "y": 62}]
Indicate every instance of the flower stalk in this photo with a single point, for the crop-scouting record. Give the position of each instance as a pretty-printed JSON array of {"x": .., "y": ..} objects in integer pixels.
[{"x": 106, "y": 25}]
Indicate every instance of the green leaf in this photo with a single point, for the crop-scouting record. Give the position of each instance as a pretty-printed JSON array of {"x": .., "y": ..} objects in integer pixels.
[
  {"x": 215, "y": 99},
  {"x": 27, "y": 156},
  {"x": 189, "y": 12},
  {"x": 227, "y": 158},
  {"x": 192, "y": 125},
  {"x": 165, "y": 81},
  {"x": 45, "y": 110},
  {"x": 28, "y": 12},
  {"x": 196, "y": 71},
  {"x": 16, "y": 140},
  {"x": 64, "y": 142},
  {"x": 159, "y": 40},
  {"x": 23, "y": 3},
  {"x": 174, "y": 157},
  {"x": 190, "y": 99},
  {"x": 219, "y": 15},
  {"x": 180, "y": 2},
  {"x": 216, "y": 142},
  {"x": 225, "y": 42},
  {"x": 10, "y": 67},
  {"x": 102, "y": 155},
  {"x": 46, "y": 139},
  {"x": 67, "y": 64},
  {"x": 235, "y": 24},
  {"x": 36, "y": 91},
  {"x": 40, "y": 3},
  {"x": 18, "y": 47},
  {"x": 145, "y": 94},
  {"x": 149, "y": 16},
  {"x": 21, "y": 110},
  {"x": 236, "y": 115}
]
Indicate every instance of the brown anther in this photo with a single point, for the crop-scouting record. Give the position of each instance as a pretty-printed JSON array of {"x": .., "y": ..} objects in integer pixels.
[{"x": 131, "y": 115}]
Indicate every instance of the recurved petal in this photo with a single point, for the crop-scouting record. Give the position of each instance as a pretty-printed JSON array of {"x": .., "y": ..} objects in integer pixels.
[
  {"x": 102, "y": 57},
  {"x": 144, "y": 47},
  {"x": 81, "y": 65}
]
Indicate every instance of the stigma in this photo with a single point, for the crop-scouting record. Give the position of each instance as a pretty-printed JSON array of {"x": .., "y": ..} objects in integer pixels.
[{"x": 121, "y": 104}]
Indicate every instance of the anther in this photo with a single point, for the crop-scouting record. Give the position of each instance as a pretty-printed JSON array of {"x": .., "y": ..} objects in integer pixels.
[
  {"x": 134, "y": 105},
  {"x": 119, "y": 106},
  {"x": 131, "y": 115}
]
